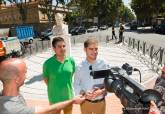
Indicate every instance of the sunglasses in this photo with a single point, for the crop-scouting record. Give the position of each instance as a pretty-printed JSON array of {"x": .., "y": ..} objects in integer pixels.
[{"x": 90, "y": 67}]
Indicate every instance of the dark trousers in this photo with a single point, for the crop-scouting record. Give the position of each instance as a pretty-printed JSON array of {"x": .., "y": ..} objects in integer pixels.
[
  {"x": 120, "y": 36},
  {"x": 113, "y": 35}
]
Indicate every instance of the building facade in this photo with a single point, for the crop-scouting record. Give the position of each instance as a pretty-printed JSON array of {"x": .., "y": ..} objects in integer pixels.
[{"x": 33, "y": 13}]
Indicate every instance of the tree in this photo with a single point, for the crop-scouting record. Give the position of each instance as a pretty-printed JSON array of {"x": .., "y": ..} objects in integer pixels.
[
  {"x": 109, "y": 10},
  {"x": 158, "y": 6},
  {"x": 145, "y": 9},
  {"x": 126, "y": 14},
  {"x": 105, "y": 10}
]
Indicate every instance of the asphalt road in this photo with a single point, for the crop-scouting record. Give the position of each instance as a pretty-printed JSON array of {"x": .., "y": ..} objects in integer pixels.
[
  {"x": 148, "y": 36},
  {"x": 143, "y": 34}
]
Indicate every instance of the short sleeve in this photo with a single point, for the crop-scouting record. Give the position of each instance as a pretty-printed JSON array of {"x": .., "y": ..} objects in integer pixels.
[
  {"x": 73, "y": 64},
  {"x": 18, "y": 108},
  {"x": 45, "y": 70},
  {"x": 26, "y": 110}
]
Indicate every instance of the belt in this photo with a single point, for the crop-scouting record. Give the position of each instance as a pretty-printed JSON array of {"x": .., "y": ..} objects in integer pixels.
[{"x": 96, "y": 101}]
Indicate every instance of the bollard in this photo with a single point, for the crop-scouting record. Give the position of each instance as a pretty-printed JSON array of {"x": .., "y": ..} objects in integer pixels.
[
  {"x": 161, "y": 56},
  {"x": 133, "y": 43},
  {"x": 129, "y": 42},
  {"x": 144, "y": 48},
  {"x": 36, "y": 47},
  {"x": 42, "y": 45},
  {"x": 151, "y": 52},
  {"x": 138, "y": 48}
]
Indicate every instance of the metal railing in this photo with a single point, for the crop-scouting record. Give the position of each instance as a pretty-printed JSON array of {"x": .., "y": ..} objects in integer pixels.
[
  {"x": 155, "y": 54},
  {"x": 39, "y": 45},
  {"x": 35, "y": 47}
]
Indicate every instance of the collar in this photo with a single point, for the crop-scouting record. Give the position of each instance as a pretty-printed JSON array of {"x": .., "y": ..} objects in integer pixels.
[
  {"x": 65, "y": 58},
  {"x": 86, "y": 62}
]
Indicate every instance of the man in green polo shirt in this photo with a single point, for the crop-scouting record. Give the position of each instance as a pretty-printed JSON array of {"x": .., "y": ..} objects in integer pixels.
[{"x": 57, "y": 72}]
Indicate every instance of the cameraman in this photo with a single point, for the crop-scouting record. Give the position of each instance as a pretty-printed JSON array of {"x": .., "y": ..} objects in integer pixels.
[
  {"x": 12, "y": 75},
  {"x": 84, "y": 84},
  {"x": 160, "y": 87},
  {"x": 154, "y": 109}
]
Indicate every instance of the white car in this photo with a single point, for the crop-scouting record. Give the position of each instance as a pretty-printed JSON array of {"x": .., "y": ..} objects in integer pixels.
[
  {"x": 103, "y": 27},
  {"x": 92, "y": 29},
  {"x": 8, "y": 45}
]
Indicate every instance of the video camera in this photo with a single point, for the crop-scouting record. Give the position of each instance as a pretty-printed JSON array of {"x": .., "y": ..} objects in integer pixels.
[{"x": 133, "y": 96}]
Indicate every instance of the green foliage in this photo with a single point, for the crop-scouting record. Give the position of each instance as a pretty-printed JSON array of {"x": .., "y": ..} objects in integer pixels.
[
  {"x": 71, "y": 17},
  {"x": 125, "y": 14},
  {"x": 147, "y": 8},
  {"x": 105, "y": 10},
  {"x": 109, "y": 10}
]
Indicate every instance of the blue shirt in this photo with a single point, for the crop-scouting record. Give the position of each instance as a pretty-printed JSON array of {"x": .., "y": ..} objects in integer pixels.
[{"x": 83, "y": 81}]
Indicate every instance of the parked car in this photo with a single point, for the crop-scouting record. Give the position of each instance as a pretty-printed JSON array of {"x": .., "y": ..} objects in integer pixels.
[
  {"x": 45, "y": 35},
  {"x": 92, "y": 29},
  {"x": 133, "y": 25},
  {"x": 9, "y": 46},
  {"x": 78, "y": 30},
  {"x": 160, "y": 29},
  {"x": 127, "y": 24},
  {"x": 103, "y": 27},
  {"x": 72, "y": 30},
  {"x": 36, "y": 34}
]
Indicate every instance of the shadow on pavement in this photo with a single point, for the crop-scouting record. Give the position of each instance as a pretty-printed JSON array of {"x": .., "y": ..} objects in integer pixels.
[
  {"x": 141, "y": 30},
  {"x": 34, "y": 79}
]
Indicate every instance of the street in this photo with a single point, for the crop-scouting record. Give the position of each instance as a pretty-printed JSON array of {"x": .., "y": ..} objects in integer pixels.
[
  {"x": 34, "y": 89},
  {"x": 36, "y": 30},
  {"x": 143, "y": 35}
]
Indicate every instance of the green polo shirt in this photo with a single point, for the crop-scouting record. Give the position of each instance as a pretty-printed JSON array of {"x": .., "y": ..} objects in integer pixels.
[{"x": 59, "y": 77}]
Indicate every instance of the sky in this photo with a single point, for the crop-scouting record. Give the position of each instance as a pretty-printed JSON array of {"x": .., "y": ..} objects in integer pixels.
[{"x": 127, "y": 2}]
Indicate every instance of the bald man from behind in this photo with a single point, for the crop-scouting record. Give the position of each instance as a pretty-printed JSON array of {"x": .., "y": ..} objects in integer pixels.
[{"x": 12, "y": 75}]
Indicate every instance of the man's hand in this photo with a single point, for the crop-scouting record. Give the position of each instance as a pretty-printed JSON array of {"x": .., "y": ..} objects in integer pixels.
[
  {"x": 78, "y": 99},
  {"x": 153, "y": 108},
  {"x": 90, "y": 95},
  {"x": 98, "y": 92}
]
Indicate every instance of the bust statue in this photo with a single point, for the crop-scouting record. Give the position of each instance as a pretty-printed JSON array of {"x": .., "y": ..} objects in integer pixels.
[{"x": 61, "y": 30}]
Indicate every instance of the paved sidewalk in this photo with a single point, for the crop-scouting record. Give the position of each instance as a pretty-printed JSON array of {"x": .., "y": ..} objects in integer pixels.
[{"x": 35, "y": 91}]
